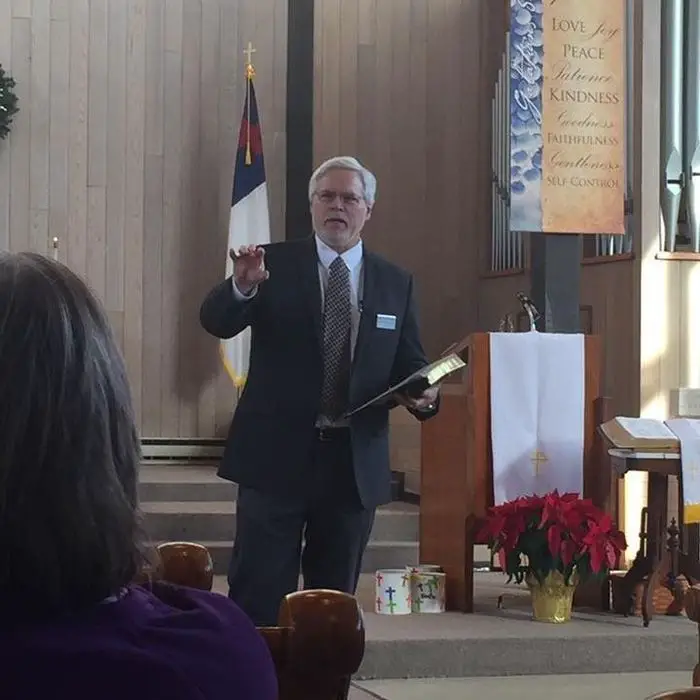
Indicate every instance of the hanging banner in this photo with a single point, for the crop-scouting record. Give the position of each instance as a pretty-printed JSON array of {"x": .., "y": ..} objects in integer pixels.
[{"x": 567, "y": 112}]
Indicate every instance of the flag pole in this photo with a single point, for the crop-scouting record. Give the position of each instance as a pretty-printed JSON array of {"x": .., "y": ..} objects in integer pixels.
[{"x": 249, "y": 74}]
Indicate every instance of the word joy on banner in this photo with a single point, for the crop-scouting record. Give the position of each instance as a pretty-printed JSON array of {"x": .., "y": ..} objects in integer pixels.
[{"x": 567, "y": 116}]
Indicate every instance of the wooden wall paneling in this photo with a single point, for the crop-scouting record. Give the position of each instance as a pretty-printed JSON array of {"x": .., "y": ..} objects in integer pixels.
[
  {"x": 366, "y": 134},
  {"x": 348, "y": 104},
  {"x": 124, "y": 150},
  {"x": 98, "y": 136},
  {"x": 496, "y": 297},
  {"x": 60, "y": 9},
  {"x": 22, "y": 9},
  {"x": 300, "y": 100},
  {"x": 20, "y": 141},
  {"x": 77, "y": 240},
  {"x": 414, "y": 162},
  {"x": 327, "y": 79},
  {"x": 117, "y": 103},
  {"x": 409, "y": 157},
  {"x": 387, "y": 107},
  {"x": 190, "y": 259},
  {"x": 172, "y": 221},
  {"x": 275, "y": 117},
  {"x": 39, "y": 137},
  {"x": 607, "y": 289},
  {"x": 154, "y": 230},
  {"x": 463, "y": 62},
  {"x": 5, "y": 60},
  {"x": 399, "y": 84},
  {"x": 134, "y": 197},
  {"x": 399, "y": 87},
  {"x": 230, "y": 110},
  {"x": 208, "y": 217},
  {"x": 59, "y": 124},
  {"x": 98, "y": 84},
  {"x": 269, "y": 78}
]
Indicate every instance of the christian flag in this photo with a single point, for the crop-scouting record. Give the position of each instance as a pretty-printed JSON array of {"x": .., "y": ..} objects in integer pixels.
[{"x": 250, "y": 218}]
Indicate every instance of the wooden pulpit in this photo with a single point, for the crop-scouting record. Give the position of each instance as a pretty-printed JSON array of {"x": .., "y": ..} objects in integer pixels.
[{"x": 456, "y": 467}]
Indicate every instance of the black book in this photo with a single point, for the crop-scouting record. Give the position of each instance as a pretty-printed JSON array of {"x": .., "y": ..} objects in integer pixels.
[{"x": 418, "y": 382}]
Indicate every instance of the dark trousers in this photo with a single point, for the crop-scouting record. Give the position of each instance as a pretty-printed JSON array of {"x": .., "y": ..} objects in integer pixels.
[{"x": 323, "y": 531}]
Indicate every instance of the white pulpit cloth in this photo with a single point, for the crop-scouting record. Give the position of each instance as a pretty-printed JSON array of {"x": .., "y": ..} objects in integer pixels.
[{"x": 537, "y": 413}]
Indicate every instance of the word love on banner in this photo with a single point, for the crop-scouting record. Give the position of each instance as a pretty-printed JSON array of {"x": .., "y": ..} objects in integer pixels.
[{"x": 567, "y": 129}]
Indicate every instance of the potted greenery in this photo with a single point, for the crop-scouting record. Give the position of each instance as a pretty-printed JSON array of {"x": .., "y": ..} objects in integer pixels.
[{"x": 553, "y": 542}]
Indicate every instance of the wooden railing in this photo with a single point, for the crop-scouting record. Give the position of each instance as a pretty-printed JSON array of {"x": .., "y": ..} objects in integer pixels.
[{"x": 318, "y": 644}]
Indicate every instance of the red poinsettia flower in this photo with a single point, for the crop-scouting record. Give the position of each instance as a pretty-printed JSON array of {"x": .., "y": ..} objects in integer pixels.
[
  {"x": 603, "y": 544},
  {"x": 554, "y": 531},
  {"x": 506, "y": 522}
]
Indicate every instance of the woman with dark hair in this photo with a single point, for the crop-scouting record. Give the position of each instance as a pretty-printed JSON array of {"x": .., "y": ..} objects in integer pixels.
[{"x": 71, "y": 623}]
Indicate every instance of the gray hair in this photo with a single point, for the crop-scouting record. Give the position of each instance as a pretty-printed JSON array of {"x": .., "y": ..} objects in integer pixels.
[{"x": 369, "y": 181}]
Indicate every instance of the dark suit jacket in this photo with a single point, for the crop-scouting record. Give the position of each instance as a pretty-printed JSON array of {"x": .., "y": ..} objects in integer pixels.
[{"x": 272, "y": 433}]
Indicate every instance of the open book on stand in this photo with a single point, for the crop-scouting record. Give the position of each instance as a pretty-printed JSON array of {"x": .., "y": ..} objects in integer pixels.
[
  {"x": 641, "y": 434},
  {"x": 418, "y": 382}
]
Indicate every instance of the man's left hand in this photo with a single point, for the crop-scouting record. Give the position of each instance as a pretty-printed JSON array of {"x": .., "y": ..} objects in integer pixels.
[{"x": 423, "y": 403}]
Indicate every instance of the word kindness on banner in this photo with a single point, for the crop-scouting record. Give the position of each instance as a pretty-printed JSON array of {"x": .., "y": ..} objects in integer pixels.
[{"x": 567, "y": 116}]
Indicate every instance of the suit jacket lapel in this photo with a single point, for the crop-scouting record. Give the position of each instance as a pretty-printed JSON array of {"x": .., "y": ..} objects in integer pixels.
[
  {"x": 311, "y": 283},
  {"x": 369, "y": 291}
]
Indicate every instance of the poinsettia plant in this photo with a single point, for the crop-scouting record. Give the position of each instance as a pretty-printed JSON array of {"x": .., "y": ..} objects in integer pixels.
[{"x": 535, "y": 535}]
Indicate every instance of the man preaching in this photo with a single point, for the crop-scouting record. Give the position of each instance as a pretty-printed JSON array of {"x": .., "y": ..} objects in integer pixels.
[{"x": 332, "y": 325}]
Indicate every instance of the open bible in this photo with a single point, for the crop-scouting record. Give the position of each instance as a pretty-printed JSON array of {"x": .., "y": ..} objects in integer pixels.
[
  {"x": 418, "y": 382},
  {"x": 640, "y": 434}
]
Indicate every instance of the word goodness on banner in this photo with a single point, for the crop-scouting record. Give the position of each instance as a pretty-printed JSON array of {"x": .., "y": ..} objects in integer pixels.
[{"x": 568, "y": 116}]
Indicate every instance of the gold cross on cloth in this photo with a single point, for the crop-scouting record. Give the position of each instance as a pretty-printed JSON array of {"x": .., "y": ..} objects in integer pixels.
[{"x": 538, "y": 459}]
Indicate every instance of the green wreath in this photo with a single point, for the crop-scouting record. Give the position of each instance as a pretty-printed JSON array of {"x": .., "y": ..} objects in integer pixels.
[{"x": 8, "y": 103}]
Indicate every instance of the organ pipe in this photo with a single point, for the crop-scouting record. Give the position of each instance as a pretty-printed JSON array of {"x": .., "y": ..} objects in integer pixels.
[
  {"x": 671, "y": 118},
  {"x": 691, "y": 164}
]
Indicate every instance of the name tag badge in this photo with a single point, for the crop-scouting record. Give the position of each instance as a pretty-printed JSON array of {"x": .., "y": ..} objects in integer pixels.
[{"x": 386, "y": 322}]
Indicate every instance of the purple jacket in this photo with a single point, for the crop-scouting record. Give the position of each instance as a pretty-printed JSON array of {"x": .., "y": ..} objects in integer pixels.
[{"x": 170, "y": 644}]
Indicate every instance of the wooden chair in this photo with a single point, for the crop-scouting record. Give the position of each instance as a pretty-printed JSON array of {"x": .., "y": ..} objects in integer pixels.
[
  {"x": 319, "y": 643},
  {"x": 685, "y": 694}
]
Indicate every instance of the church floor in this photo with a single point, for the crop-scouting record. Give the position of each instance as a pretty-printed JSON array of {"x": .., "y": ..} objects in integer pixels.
[
  {"x": 623, "y": 686},
  {"x": 495, "y": 642}
]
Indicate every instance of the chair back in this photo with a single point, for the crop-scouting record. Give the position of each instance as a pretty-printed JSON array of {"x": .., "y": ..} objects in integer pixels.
[{"x": 319, "y": 642}]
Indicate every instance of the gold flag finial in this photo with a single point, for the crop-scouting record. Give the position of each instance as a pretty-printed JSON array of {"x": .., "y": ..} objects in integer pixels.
[
  {"x": 249, "y": 70},
  {"x": 249, "y": 74}
]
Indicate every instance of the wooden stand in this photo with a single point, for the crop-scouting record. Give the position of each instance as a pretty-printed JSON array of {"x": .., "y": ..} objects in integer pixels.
[
  {"x": 457, "y": 474},
  {"x": 660, "y": 560}
]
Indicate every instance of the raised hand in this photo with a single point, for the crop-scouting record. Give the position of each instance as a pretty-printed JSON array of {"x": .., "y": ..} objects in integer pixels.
[{"x": 248, "y": 267}]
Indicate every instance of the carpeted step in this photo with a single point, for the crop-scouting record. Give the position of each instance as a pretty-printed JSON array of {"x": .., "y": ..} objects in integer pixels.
[
  {"x": 379, "y": 555},
  {"x": 216, "y": 520},
  {"x": 183, "y": 482}
]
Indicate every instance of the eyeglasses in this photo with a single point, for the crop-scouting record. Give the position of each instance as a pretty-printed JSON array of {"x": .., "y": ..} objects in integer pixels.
[{"x": 347, "y": 198}]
